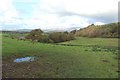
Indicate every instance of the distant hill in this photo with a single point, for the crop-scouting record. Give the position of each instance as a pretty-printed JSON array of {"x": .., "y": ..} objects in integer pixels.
[
  {"x": 45, "y": 30},
  {"x": 61, "y": 30},
  {"x": 16, "y": 31},
  {"x": 107, "y": 30},
  {"x": 24, "y": 30}
]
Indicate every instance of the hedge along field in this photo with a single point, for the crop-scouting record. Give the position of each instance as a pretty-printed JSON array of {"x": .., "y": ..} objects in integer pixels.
[{"x": 59, "y": 61}]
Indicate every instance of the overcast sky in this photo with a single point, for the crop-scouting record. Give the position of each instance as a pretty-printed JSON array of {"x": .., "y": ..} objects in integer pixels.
[{"x": 56, "y": 14}]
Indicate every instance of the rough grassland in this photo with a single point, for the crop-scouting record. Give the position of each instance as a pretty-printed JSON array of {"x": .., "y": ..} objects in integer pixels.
[{"x": 61, "y": 61}]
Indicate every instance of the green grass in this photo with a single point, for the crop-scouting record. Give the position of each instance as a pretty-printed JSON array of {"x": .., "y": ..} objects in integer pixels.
[
  {"x": 108, "y": 42},
  {"x": 60, "y": 61}
]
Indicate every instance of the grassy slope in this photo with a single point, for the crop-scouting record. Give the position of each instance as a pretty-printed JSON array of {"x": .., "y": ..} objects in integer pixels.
[
  {"x": 58, "y": 60},
  {"x": 107, "y": 30}
]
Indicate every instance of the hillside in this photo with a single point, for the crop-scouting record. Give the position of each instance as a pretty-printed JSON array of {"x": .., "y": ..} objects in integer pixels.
[{"x": 107, "y": 30}]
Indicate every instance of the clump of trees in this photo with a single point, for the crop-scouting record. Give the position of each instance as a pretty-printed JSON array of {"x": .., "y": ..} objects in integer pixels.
[
  {"x": 61, "y": 36},
  {"x": 55, "y": 37},
  {"x": 38, "y": 36},
  {"x": 34, "y": 34}
]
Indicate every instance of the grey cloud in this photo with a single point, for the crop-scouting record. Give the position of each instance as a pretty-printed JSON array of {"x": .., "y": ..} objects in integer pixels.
[{"x": 104, "y": 17}]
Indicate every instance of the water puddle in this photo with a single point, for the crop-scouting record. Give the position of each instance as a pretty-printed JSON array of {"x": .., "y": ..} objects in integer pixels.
[{"x": 25, "y": 59}]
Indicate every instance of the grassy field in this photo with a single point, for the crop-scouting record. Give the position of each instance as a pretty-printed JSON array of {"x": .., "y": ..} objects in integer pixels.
[
  {"x": 106, "y": 42},
  {"x": 98, "y": 60}
]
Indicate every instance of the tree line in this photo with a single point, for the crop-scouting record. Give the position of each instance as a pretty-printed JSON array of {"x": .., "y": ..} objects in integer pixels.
[{"x": 55, "y": 37}]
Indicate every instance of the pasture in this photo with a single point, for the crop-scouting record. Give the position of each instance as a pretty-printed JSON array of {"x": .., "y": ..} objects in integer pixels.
[{"x": 93, "y": 58}]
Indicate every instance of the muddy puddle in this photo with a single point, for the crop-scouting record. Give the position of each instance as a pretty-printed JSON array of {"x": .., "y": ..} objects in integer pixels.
[{"x": 24, "y": 59}]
